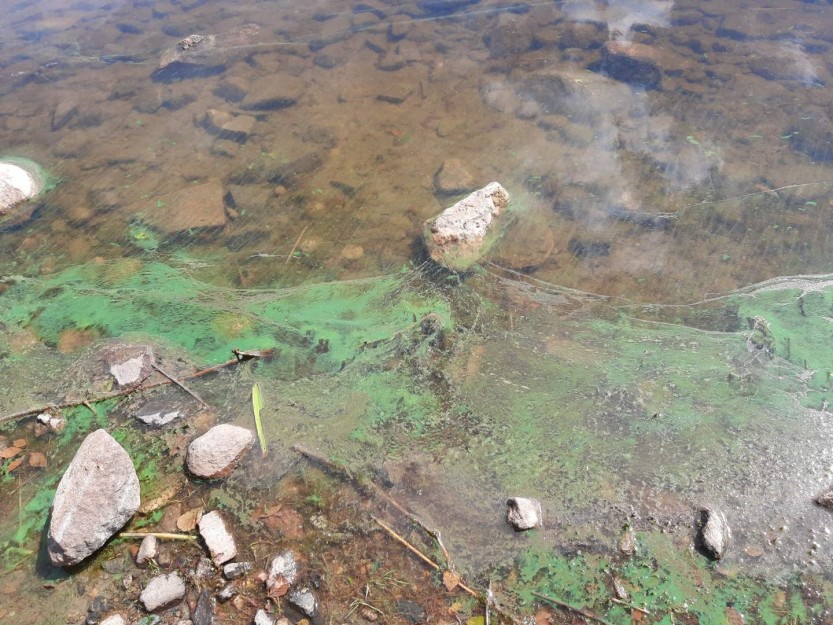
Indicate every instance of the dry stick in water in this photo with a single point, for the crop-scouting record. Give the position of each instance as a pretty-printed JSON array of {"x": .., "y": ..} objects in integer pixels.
[
  {"x": 572, "y": 608},
  {"x": 162, "y": 535},
  {"x": 179, "y": 384},
  {"x": 630, "y": 605},
  {"x": 239, "y": 356},
  {"x": 295, "y": 247}
]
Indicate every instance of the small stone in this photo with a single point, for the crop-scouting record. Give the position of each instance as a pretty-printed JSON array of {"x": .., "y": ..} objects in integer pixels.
[
  {"x": 148, "y": 550},
  {"x": 457, "y": 237},
  {"x": 523, "y": 514},
  {"x": 217, "y": 538},
  {"x": 114, "y": 619},
  {"x": 158, "y": 419},
  {"x": 411, "y": 610},
  {"x": 52, "y": 422},
  {"x": 304, "y": 600},
  {"x": 627, "y": 541},
  {"x": 162, "y": 591},
  {"x": 825, "y": 498},
  {"x": 203, "y": 613},
  {"x": 37, "y": 460},
  {"x": 227, "y": 592},
  {"x": 20, "y": 180},
  {"x": 236, "y": 570},
  {"x": 64, "y": 112},
  {"x": 216, "y": 453},
  {"x": 452, "y": 178},
  {"x": 232, "y": 89},
  {"x": 262, "y": 618},
  {"x": 204, "y": 569},
  {"x": 283, "y": 565},
  {"x": 369, "y": 615},
  {"x": 633, "y": 63},
  {"x": 714, "y": 535},
  {"x": 228, "y": 126},
  {"x": 97, "y": 495},
  {"x": 192, "y": 208}
]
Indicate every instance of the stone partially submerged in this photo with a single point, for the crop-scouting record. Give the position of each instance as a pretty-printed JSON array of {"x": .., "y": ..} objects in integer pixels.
[
  {"x": 523, "y": 514},
  {"x": 714, "y": 535},
  {"x": 458, "y": 237},
  {"x": 97, "y": 495},
  {"x": 20, "y": 180}
]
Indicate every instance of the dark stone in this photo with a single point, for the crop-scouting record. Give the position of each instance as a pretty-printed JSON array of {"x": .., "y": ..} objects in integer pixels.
[
  {"x": 326, "y": 61},
  {"x": 444, "y": 7},
  {"x": 345, "y": 188},
  {"x": 633, "y": 63},
  {"x": 662, "y": 221},
  {"x": 713, "y": 534},
  {"x": 588, "y": 249},
  {"x": 178, "y": 70},
  {"x": 203, "y": 613},
  {"x": 411, "y": 610},
  {"x": 270, "y": 104},
  {"x": 129, "y": 29},
  {"x": 812, "y": 134}
]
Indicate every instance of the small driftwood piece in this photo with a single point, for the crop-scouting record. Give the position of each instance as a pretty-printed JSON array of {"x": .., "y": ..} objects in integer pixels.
[
  {"x": 630, "y": 605},
  {"x": 572, "y": 608},
  {"x": 179, "y": 384},
  {"x": 239, "y": 356}
]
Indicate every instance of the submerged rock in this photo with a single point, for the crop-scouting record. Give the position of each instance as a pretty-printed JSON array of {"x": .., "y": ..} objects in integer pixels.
[
  {"x": 97, "y": 495},
  {"x": 714, "y": 535},
  {"x": 217, "y": 538},
  {"x": 633, "y": 63},
  {"x": 216, "y": 453},
  {"x": 20, "y": 180},
  {"x": 452, "y": 178},
  {"x": 162, "y": 591},
  {"x": 457, "y": 237},
  {"x": 523, "y": 514},
  {"x": 192, "y": 208}
]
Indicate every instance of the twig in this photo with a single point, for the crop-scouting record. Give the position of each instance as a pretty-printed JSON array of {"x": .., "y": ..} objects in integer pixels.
[
  {"x": 243, "y": 356},
  {"x": 294, "y": 247},
  {"x": 630, "y": 605},
  {"x": 162, "y": 535},
  {"x": 179, "y": 384},
  {"x": 87, "y": 404},
  {"x": 572, "y": 608}
]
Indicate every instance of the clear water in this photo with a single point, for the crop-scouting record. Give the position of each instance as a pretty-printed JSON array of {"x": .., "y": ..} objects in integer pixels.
[{"x": 268, "y": 187}]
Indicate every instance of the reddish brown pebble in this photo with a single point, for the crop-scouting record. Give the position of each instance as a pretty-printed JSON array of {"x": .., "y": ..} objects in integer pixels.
[
  {"x": 20, "y": 442},
  {"x": 14, "y": 464},
  {"x": 10, "y": 452},
  {"x": 37, "y": 459}
]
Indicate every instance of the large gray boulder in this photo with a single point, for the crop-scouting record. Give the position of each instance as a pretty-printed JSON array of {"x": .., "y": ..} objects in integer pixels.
[
  {"x": 97, "y": 495},
  {"x": 216, "y": 453},
  {"x": 457, "y": 237}
]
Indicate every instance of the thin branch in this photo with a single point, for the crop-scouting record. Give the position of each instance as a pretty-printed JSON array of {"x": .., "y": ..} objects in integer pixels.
[
  {"x": 294, "y": 247},
  {"x": 179, "y": 384},
  {"x": 162, "y": 535},
  {"x": 572, "y": 608},
  {"x": 630, "y": 605}
]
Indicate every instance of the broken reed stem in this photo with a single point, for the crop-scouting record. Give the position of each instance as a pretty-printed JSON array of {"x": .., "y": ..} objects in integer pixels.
[
  {"x": 630, "y": 605},
  {"x": 572, "y": 608},
  {"x": 421, "y": 555},
  {"x": 179, "y": 384},
  {"x": 162, "y": 535},
  {"x": 295, "y": 247},
  {"x": 239, "y": 356}
]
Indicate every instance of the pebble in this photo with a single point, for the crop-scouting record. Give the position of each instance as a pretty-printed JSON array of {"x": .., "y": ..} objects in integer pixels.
[
  {"x": 217, "y": 538},
  {"x": 162, "y": 591},
  {"x": 216, "y": 453},
  {"x": 523, "y": 514},
  {"x": 148, "y": 550},
  {"x": 115, "y": 619},
  {"x": 236, "y": 570},
  {"x": 304, "y": 600},
  {"x": 283, "y": 565},
  {"x": 262, "y": 618}
]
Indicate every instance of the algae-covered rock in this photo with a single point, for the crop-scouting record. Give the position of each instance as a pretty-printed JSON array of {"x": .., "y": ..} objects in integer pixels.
[{"x": 457, "y": 238}]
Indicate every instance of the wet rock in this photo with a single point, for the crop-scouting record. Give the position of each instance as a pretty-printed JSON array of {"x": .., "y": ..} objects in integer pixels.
[
  {"x": 228, "y": 125},
  {"x": 588, "y": 249},
  {"x": 395, "y": 93},
  {"x": 304, "y": 600},
  {"x": 523, "y": 514},
  {"x": 812, "y": 134},
  {"x": 512, "y": 34},
  {"x": 114, "y": 619},
  {"x": 128, "y": 364},
  {"x": 63, "y": 113},
  {"x": 411, "y": 610},
  {"x": 232, "y": 89},
  {"x": 236, "y": 570},
  {"x": 97, "y": 495},
  {"x": 249, "y": 198},
  {"x": 714, "y": 535},
  {"x": 326, "y": 61},
  {"x": 263, "y": 618},
  {"x": 216, "y": 453},
  {"x": 203, "y": 613},
  {"x": 627, "y": 541},
  {"x": 52, "y": 422},
  {"x": 457, "y": 237},
  {"x": 452, "y": 178},
  {"x": 162, "y": 591},
  {"x": 633, "y": 63},
  {"x": 825, "y": 498},
  {"x": 20, "y": 180},
  {"x": 217, "y": 537},
  {"x": 158, "y": 419},
  {"x": 278, "y": 94},
  {"x": 148, "y": 550},
  {"x": 193, "y": 208},
  {"x": 283, "y": 566},
  {"x": 527, "y": 243}
]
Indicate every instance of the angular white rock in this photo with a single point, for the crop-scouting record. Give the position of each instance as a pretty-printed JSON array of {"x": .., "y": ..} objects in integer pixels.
[
  {"x": 148, "y": 550},
  {"x": 97, "y": 495},
  {"x": 216, "y": 453},
  {"x": 283, "y": 565},
  {"x": 115, "y": 619},
  {"x": 162, "y": 591},
  {"x": 304, "y": 600},
  {"x": 217, "y": 538},
  {"x": 262, "y": 618},
  {"x": 16, "y": 185},
  {"x": 523, "y": 514}
]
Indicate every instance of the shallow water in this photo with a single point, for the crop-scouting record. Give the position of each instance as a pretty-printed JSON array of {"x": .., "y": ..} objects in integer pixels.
[{"x": 268, "y": 188}]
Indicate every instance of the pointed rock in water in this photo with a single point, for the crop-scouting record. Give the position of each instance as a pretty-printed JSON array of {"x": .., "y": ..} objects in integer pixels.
[
  {"x": 216, "y": 453},
  {"x": 217, "y": 538},
  {"x": 97, "y": 495},
  {"x": 714, "y": 535},
  {"x": 523, "y": 514},
  {"x": 162, "y": 591},
  {"x": 457, "y": 237}
]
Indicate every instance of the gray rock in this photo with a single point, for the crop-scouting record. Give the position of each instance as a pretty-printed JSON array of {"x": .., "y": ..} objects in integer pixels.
[
  {"x": 627, "y": 541},
  {"x": 714, "y": 534},
  {"x": 162, "y": 591},
  {"x": 97, "y": 495},
  {"x": 64, "y": 112},
  {"x": 148, "y": 550},
  {"x": 158, "y": 419},
  {"x": 217, "y": 537},
  {"x": 20, "y": 180},
  {"x": 203, "y": 613},
  {"x": 457, "y": 237},
  {"x": 216, "y": 453},
  {"x": 204, "y": 569},
  {"x": 304, "y": 600},
  {"x": 452, "y": 178},
  {"x": 226, "y": 593},
  {"x": 523, "y": 514},
  {"x": 236, "y": 570},
  {"x": 825, "y": 498},
  {"x": 128, "y": 364},
  {"x": 262, "y": 618},
  {"x": 633, "y": 63},
  {"x": 283, "y": 565}
]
